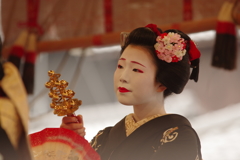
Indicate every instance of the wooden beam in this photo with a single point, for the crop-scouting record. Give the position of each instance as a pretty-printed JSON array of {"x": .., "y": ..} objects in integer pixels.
[{"x": 114, "y": 37}]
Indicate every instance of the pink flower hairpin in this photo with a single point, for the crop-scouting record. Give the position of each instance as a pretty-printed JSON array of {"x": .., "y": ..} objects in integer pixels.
[{"x": 170, "y": 47}]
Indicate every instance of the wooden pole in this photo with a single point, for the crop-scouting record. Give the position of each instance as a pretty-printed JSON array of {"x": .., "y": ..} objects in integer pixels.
[{"x": 114, "y": 37}]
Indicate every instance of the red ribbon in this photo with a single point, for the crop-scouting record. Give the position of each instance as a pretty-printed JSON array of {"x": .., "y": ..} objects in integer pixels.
[
  {"x": 32, "y": 15},
  {"x": 187, "y": 10},
  {"x": 154, "y": 28},
  {"x": 33, "y": 7},
  {"x": 193, "y": 52},
  {"x": 108, "y": 15}
]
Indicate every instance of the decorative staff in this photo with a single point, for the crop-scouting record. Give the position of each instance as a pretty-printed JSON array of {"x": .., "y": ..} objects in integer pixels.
[{"x": 63, "y": 102}]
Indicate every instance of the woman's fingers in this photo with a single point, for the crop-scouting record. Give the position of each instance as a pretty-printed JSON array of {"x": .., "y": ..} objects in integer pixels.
[
  {"x": 75, "y": 124},
  {"x": 80, "y": 118},
  {"x": 67, "y": 120},
  {"x": 72, "y": 126},
  {"x": 81, "y": 132}
]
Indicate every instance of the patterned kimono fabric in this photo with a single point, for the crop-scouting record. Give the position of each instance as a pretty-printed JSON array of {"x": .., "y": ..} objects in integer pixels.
[
  {"x": 13, "y": 116},
  {"x": 168, "y": 137}
]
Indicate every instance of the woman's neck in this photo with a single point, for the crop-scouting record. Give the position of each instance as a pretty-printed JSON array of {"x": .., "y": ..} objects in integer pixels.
[{"x": 147, "y": 110}]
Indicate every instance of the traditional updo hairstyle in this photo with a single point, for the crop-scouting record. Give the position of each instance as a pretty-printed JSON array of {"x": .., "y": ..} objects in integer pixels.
[{"x": 175, "y": 75}]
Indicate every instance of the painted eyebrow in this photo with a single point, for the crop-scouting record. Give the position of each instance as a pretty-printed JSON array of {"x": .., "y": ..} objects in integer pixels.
[
  {"x": 137, "y": 63},
  {"x": 133, "y": 62}
]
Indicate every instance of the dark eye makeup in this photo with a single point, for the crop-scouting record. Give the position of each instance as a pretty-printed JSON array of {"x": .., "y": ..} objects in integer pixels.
[
  {"x": 119, "y": 66},
  {"x": 137, "y": 70}
]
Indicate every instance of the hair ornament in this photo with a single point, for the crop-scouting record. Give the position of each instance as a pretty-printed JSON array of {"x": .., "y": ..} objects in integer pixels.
[
  {"x": 170, "y": 47},
  {"x": 194, "y": 53},
  {"x": 154, "y": 28}
]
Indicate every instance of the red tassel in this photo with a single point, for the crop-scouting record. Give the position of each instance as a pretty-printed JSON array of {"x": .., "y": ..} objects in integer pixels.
[
  {"x": 30, "y": 57},
  {"x": 29, "y": 65},
  {"x": 226, "y": 28},
  {"x": 17, "y": 50},
  {"x": 225, "y": 48}
]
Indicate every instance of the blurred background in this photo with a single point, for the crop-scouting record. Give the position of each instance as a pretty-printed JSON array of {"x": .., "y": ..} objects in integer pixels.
[{"x": 80, "y": 40}]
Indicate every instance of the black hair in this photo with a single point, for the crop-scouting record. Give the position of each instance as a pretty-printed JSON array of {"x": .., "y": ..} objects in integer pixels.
[{"x": 175, "y": 75}]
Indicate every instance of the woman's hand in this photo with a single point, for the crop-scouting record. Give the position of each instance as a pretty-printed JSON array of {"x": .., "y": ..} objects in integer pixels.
[{"x": 75, "y": 124}]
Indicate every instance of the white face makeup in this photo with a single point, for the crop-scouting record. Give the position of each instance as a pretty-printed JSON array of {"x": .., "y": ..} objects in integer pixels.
[{"x": 134, "y": 78}]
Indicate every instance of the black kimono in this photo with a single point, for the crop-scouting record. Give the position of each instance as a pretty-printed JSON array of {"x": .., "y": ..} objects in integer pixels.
[{"x": 168, "y": 137}]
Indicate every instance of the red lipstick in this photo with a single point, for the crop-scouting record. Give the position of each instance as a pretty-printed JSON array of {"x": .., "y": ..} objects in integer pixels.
[{"x": 123, "y": 90}]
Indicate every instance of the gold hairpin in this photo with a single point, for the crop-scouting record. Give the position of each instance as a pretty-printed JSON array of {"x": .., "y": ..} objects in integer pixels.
[
  {"x": 123, "y": 37},
  {"x": 63, "y": 102}
]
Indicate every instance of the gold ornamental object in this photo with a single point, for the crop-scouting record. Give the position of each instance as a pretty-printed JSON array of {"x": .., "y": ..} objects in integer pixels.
[{"x": 63, "y": 102}]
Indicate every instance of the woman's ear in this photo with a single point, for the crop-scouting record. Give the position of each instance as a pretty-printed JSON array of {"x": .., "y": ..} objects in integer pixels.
[{"x": 161, "y": 88}]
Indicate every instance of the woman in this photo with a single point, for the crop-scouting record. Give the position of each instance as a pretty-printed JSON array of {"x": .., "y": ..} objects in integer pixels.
[{"x": 152, "y": 65}]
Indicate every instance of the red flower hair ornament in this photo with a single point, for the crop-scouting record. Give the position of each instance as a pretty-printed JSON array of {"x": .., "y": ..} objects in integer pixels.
[{"x": 171, "y": 47}]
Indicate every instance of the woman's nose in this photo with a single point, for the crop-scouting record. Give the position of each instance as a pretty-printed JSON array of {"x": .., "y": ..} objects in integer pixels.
[{"x": 123, "y": 80}]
